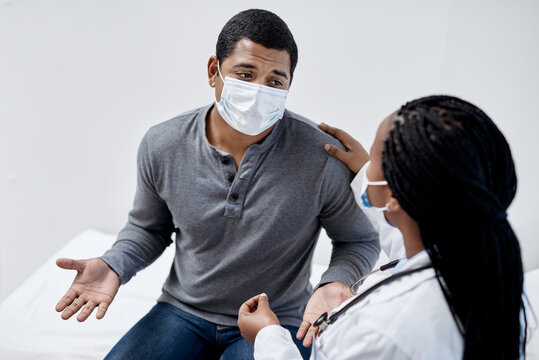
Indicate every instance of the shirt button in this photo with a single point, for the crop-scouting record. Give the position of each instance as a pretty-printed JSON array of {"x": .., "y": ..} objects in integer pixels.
[
  {"x": 225, "y": 160},
  {"x": 233, "y": 197},
  {"x": 230, "y": 177}
]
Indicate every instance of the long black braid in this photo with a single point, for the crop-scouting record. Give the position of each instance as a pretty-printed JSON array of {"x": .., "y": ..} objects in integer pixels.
[{"x": 451, "y": 170}]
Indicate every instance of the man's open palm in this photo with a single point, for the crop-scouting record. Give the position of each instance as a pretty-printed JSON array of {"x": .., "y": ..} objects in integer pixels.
[
  {"x": 95, "y": 285},
  {"x": 324, "y": 299}
]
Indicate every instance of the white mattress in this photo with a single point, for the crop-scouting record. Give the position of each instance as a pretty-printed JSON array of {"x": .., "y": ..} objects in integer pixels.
[{"x": 30, "y": 328}]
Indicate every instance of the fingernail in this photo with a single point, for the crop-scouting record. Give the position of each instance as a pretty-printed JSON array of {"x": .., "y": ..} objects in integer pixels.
[
  {"x": 264, "y": 294},
  {"x": 327, "y": 147}
]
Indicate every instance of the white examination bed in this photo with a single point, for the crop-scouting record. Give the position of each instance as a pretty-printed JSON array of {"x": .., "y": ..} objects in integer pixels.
[{"x": 30, "y": 328}]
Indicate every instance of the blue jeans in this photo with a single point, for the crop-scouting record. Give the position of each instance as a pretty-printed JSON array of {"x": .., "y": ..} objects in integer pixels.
[{"x": 167, "y": 332}]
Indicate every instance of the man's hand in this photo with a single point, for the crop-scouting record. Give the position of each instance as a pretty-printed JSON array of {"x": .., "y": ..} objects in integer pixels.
[
  {"x": 355, "y": 155},
  {"x": 95, "y": 285},
  {"x": 324, "y": 299},
  {"x": 254, "y": 315}
]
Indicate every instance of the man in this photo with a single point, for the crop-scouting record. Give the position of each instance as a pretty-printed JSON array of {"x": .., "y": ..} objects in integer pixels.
[{"x": 246, "y": 187}]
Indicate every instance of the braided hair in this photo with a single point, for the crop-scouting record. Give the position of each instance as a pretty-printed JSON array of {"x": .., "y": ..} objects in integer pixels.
[{"x": 451, "y": 170}]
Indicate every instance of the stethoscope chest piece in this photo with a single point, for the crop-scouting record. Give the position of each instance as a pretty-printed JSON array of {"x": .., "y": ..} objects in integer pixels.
[{"x": 322, "y": 322}]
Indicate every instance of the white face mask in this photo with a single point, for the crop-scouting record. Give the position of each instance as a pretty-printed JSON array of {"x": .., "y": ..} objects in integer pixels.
[
  {"x": 248, "y": 107},
  {"x": 375, "y": 214},
  {"x": 390, "y": 236},
  {"x": 363, "y": 184}
]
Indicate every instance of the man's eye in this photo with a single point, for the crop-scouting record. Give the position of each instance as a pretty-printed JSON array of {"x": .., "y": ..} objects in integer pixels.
[
  {"x": 276, "y": 83},
  {"x": 245, "y": 75}
]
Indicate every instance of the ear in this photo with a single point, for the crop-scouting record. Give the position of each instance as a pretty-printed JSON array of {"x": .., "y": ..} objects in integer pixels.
[
  {"x": 392, "y": 202},
  {"x": 213, "y": 71}
]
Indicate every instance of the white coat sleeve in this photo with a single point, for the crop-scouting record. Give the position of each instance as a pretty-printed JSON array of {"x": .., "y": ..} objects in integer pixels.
[
  {"x": 275, "y": 342},
  {"x": 391, "y": 240}
]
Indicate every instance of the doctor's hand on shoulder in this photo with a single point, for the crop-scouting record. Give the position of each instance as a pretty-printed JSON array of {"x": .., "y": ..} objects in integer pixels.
[
  {"x": 254, "y": 315},
  {"x": 355, "y": 155},
  {"x": 95, "y": 285}
]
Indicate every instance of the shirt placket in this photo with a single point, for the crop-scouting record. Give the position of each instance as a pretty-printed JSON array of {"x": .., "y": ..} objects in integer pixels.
[{"x": 238, "y": 182}]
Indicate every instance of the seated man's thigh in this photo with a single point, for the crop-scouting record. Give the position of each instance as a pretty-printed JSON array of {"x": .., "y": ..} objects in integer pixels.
[
  {"x": 166, "y": 332},
  {"x": 240, "y": 349}
]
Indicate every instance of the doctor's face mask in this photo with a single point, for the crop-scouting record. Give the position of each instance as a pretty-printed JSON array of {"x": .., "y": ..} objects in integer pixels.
[
  {"x": 248, "y": 107},
  {"x": 364, "y": 184},
  {"x": 375, "y": 214},
  {"x": 378, "y": 215}
]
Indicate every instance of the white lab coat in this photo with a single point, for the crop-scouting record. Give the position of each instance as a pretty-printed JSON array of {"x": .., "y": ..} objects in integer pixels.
[{"x": 406, "y": 319}]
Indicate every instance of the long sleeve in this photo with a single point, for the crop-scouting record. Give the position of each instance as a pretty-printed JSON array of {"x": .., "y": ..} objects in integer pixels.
[
  {"x": 274, "y": 343},
  {"x": 355, "y": 242},
  {"x": 149, "y": 227}
]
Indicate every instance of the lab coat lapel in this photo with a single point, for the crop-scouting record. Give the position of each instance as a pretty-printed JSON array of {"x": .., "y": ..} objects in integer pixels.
[
  {"x": 406, "y": 283},
  {"x": 399, "y": 286}
]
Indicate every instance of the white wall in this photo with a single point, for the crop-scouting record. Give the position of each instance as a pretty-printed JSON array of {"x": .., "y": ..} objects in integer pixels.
[{"x": 81, "y": 81}]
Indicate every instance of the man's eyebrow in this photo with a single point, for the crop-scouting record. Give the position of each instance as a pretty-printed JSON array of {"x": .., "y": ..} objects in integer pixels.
[
  {"x": 280, "y": 73},
  {"x": 250, "y": 66}
]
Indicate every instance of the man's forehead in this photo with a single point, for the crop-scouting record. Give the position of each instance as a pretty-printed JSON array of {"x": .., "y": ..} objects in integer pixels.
[{"x": 252, "y": 54}]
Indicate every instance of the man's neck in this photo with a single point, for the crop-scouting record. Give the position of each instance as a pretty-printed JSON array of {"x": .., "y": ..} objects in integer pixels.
[{"x": 225, "y": 138}]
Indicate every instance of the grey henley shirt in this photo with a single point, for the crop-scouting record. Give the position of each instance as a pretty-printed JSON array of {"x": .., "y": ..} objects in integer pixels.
[{"x": 246, "y": 231}]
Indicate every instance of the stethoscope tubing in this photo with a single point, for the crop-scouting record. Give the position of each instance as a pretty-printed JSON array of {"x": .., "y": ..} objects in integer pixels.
[{"x": 325, "y": 319}]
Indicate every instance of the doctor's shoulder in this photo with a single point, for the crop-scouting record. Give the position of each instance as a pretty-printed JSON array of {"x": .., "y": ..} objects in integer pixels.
[{"x": 415, "y": 318}]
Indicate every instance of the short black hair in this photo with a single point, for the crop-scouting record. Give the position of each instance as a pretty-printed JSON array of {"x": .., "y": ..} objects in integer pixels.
[{"x": 260, "y": 26}]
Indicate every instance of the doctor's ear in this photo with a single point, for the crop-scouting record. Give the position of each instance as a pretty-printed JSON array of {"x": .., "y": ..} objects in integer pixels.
[
  {"x": 393, "y": 204},
  {"x": 213, "y": 74}
]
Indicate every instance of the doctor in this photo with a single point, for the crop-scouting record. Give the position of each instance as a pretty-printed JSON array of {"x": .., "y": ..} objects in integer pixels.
[{"x": 442, "y": 173}]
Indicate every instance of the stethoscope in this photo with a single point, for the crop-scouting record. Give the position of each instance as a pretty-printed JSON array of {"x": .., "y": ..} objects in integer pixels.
[
  {"x": 389, "y": 265},
  {"x": 325, "y": 319}
]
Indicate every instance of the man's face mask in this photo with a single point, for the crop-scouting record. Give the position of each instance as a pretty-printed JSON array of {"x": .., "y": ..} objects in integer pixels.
[{"x": 248, "y": 107}]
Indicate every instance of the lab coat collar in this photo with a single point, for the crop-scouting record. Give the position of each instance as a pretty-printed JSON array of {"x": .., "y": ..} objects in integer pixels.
[
  {"x": 406, "y": 283},
  {"x": 418, "y": 260},
  {"x": 398, "y": 286}
]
